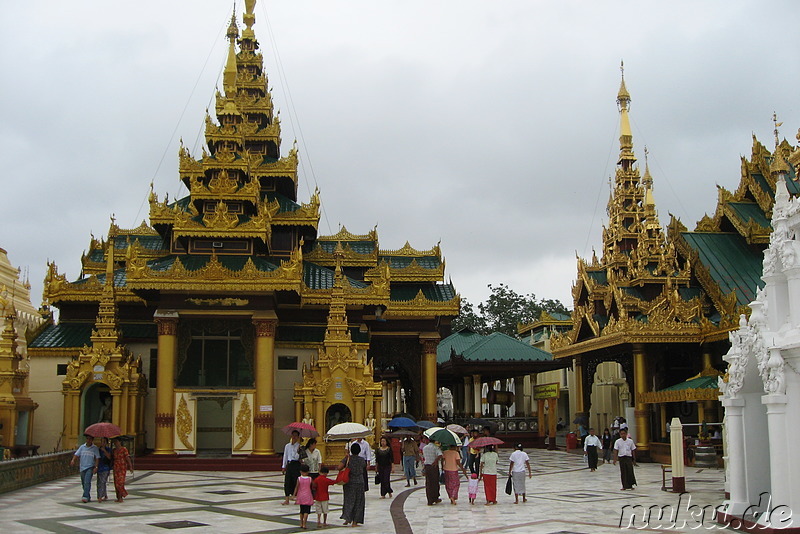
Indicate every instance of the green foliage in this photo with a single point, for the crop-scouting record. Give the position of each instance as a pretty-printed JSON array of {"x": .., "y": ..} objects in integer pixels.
[{"x": 503, "y": 310}]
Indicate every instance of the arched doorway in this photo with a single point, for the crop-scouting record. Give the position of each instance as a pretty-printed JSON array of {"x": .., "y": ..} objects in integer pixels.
[
  {"x": 337, "y": 413},
  {"x": 96, "y": 405},
  {"x": 610, "y": 395}
]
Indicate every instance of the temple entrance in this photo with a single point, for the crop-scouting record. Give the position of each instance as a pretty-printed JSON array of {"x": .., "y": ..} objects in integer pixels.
[
  {"x": 610, "y": 395},
  {"x": 97, "y": 405},
  {"x": 214, "y": 426},
  {"x": 337, "y": 413}
]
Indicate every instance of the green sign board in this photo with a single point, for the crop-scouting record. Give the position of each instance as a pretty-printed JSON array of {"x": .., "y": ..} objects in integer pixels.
[{"x": 546, "y": 391}]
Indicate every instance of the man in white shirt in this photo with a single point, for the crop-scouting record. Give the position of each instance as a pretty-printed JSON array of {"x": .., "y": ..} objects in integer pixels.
[
  {"x": 518, "y": 461},
  {"x": 592, "y": 444},
  {"x": 432, "y": 459},
  {"x": 624, "y": 453},
  {"x": 291, "y": 465}
]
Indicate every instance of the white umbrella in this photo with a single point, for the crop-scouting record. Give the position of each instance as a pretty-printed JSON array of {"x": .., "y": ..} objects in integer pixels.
[{"x": 347, "y": 431}]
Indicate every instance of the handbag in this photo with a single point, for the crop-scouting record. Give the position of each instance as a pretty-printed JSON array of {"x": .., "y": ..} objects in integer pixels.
[
  {"x": 509, "y": 486},
  {"x": 377, "y": 479},
  {"x": 343, "y": 477}
]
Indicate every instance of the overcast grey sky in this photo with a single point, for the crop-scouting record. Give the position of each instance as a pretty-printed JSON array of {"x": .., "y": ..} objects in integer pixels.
[{"x": 491, "y": 126}]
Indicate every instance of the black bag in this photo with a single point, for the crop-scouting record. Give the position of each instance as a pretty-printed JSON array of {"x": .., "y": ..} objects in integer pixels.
[
  {"x": 509, "y": 486},
  {"x": 377, "y": 479},
  {"x": 441, "y": 477},
  {"x": 302, "y": 452}
]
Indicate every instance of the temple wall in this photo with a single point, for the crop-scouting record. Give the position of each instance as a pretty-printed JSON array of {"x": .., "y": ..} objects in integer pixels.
[
  {"x": 46, "y": 391},
  {"x": 284, "y": 391}
]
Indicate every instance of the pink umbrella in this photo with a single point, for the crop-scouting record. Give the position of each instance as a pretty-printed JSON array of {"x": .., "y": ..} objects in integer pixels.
[
  {"x": 103, "y": 430},
  {"x": 306, "y": 430},
  {"x": 484, "y": 441}
]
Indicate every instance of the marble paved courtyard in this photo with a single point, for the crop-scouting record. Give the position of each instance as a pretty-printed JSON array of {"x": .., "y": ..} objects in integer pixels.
[{"x": 564, "y": 498}]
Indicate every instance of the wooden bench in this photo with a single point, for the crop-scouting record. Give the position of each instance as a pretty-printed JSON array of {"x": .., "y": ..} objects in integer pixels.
[{"x": 666, "y": 468}]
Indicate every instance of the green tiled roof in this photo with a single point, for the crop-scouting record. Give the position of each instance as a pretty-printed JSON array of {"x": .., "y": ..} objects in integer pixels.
[
  {"x": 317, "y": 277},
  {"x": 760, "y": 180},
  {"x": 399, "y": 262},
  {"x": 701, "y": 382},
  {"x": 286, "y": 204},
  {"x": 182, "y": 203},
  {"x": 749, "y": 211},
  {"x": 435, "y": 292},
  {"x": 96, "y": 255},
  {"x": 120, "y": 279},
  {"x": 688, "y": 293},
  {"x": 731, "y": 262},
  {"x": 558, "y": 316},
  {"x": 598, "y": 276},
  {"x": 499, "y": 347},
  {"x": 314, "y": 334},
  {"x": 69, "y": 335},
  {"x": 359, "y": 247},
  {"x": 458, "y": 341}
]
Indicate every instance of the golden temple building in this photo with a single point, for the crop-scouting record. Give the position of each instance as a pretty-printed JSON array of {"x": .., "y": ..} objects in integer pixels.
[
  {"x": 659, "y": 305},
  {"x": 19, "y": 320},
  {"x": 227, "y": 316}
]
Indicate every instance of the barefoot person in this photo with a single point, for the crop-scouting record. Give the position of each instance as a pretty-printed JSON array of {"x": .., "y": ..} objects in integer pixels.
[
  {"x": 432, "y": 459},
  {"x": 625, "y": 454},
  {"x": 518, "y": 461},
  {"x": 591, "y": 445},
  {"x": 291, "y": 465},
  {"x": 122, "y": 463}
]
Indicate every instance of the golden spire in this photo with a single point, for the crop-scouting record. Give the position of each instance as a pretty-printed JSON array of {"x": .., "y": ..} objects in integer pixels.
[
  {"x": 105, "y": 335},
  {"x": 625, "y": 135},
  {"x": 249, "y": 19},
  {"x": 229, "y": 74},
  {"x": 647, "y": 179},
  {"x": 778, "y": 165}
]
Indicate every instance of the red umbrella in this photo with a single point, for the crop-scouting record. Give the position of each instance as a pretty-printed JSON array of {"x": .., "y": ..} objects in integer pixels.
[
  {"x": 306, "y": 430},
  {"x": 484, "y": 441},
  {"x": 103, "y": 430}
]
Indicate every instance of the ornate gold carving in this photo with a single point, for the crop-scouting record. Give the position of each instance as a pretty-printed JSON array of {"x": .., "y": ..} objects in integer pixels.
[
  {"x": 167, "y": 326},
  {"x": 165, "y": 420},
  {"x": 265, "y": 327},
  {"x": 264, "y": 420},
  {"x": 243, "y": 423},
  {"x": 408, "y": 250},
  {"x": 229, "y": 301},
  {"x": 185, "y": 424},
  {"x": 357, "y": 387},
  {"x": 343, "y": 235},
  {"x": 321, "y": 387}
]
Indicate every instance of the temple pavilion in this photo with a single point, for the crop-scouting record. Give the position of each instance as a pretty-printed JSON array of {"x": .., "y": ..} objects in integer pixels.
[
  {"x": 660, "y": 305},
  {"x": 227, "y": 316}
]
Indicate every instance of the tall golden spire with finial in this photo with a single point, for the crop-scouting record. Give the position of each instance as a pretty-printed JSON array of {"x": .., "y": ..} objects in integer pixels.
[
  {"x": 625, "y": 134},
  {"x": 229, "y": 74},
  {"x": 779, "y": 164}
]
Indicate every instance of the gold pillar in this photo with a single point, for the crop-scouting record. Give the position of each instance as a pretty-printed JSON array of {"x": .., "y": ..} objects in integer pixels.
[
  {"x": 429, "y": 343},
  {"x": 358, "y": 415},
  {"x": 578, "y": 368},
  {"x": 663, "y": 411},
  {"x": 116, "y": 409},
  {"x": 701, "y": 413},
  {"x": 641, "y": 411},
  {"x": 319, "y": 416},
  {"x": 552, "y": 418},
  {"x": 468, "y": 404},
  {"x": 165, "y": 382},
  {"x": 376, "y": 403},
  {"x": 264, "y": 419},
  {"x": 541, "y": 427}
]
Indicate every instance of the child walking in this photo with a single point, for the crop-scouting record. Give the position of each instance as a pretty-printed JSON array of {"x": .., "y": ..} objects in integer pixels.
[
  {"x": 472, "y": 488},
  {"x": 303, "y": 495},
  {"x": 321, "y": 495}
]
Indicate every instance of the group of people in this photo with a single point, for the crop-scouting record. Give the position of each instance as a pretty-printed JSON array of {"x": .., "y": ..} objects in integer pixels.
[
  {"x": 624, "y": 453},
  {"x": 103, "y": 460}
]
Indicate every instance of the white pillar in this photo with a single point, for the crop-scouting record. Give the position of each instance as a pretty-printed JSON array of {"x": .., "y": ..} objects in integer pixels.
[
  {"x": 676, "y": 454},
  {"x": 793, "y": 282},
  {"x": 778, "y": 453},
  {"x": 477, "y": 394},
  {"x": 735, "y": 465},
  {"x": 398, "y": 396}
]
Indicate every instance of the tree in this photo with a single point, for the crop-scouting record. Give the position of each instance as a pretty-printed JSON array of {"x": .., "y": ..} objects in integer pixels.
[{"x": 503, "y": 310}]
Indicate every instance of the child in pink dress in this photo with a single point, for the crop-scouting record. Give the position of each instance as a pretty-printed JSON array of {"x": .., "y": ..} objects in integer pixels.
[
  {"x": 472, "y": 488},
  {"x": 303, "y": 495}
]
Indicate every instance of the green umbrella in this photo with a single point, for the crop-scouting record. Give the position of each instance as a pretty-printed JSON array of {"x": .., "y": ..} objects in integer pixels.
[{"x": 446, "y": 437}]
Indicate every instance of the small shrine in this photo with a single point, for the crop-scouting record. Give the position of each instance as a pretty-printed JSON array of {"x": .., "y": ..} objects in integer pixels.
[
  {"x": 337, "y": 386},
  {"x": 104, "y": 382}
]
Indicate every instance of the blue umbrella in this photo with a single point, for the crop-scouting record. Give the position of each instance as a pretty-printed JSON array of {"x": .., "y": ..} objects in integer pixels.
[
  {"x": 402, "y": 422},
  {"x": 425, "y": 424}
]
